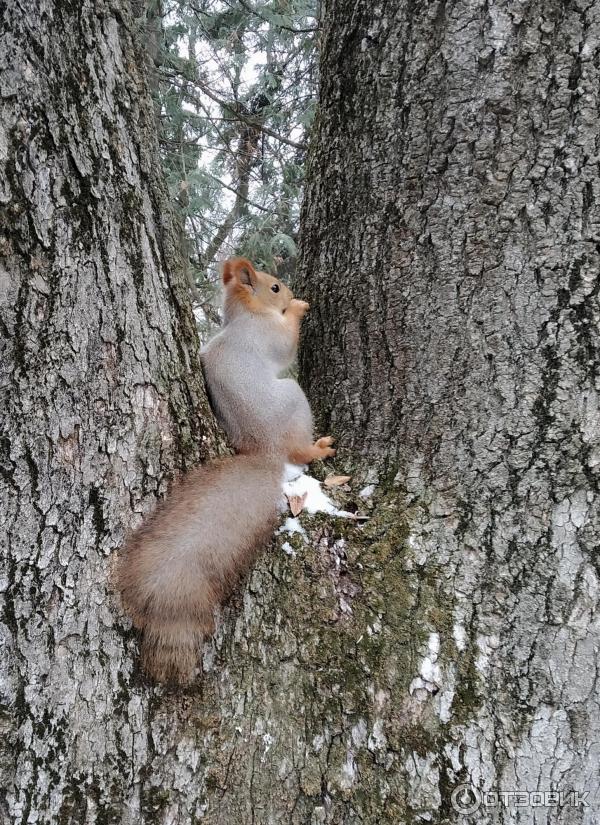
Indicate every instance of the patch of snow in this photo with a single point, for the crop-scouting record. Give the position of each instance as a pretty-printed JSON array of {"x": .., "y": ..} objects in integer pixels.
[
  {"x": 292, "y": 525},
  {"x": 429, "y": 679},
  {"x": 347, "y": 774},
  {"x": 316, "y": 500},
  {"x": 288, "y": 549},
  {"x": 293, "y": 471},
  {"x": 460, "y": 637}
]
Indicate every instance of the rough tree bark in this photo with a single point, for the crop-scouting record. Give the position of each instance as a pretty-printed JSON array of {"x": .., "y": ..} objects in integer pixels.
[
  {"x": 450, "y": 254},
  {"x": 102, "y": 398},
  {"x": 451, "y": 251}
]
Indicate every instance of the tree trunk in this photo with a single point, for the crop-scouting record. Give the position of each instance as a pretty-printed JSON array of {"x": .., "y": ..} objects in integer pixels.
[
  {"x": 450, "y": 256},
  {"x": 102, "y": 399},
  {"x": 451, "y": 237}
]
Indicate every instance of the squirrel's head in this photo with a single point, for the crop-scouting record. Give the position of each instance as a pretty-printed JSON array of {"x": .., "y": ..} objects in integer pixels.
[{"x": 256, "y": 291}]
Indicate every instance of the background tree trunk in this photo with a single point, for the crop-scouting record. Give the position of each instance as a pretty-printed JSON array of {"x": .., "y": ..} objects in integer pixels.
[{"x": 450, "y": 255}]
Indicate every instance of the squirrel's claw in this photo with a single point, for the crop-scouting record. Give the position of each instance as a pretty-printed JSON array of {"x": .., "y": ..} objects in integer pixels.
[
  {"x": 300, "y": 308},
  {"x": 325, "y": 441},
  {"x": 323, "y": 445}
]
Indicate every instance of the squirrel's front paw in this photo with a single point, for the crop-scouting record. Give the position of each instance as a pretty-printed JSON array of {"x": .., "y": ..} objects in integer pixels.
[
  {"x": 324, "y": 446},
  {"x": 300, "y": 308}
]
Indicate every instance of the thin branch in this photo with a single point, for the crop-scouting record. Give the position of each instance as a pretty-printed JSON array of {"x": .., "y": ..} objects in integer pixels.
[
  {"x": 246, "y": 148},
  {"x": 260, "y": 16},
  {"x": 236, "y": 192},
  {"x": 237, "y": 115}
]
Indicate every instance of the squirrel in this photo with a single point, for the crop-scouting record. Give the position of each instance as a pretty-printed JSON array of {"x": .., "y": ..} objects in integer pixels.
[{"x": 187, "y": 558}]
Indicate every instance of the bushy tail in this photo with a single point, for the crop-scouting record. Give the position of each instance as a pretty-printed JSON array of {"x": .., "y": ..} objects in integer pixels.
[
  {"x": 169, "y": 651},
  {"x": 178, "y": 566}
]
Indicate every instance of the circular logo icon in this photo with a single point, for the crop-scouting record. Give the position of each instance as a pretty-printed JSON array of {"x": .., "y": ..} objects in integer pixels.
[{"x": 465, "y": 799}]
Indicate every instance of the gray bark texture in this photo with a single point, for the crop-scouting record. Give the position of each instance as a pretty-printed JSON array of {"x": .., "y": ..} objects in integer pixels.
[
  {"x": 450, "y": 254},
  {"x": 102, "y": 400},
  {"x": 451, "y": 251}
]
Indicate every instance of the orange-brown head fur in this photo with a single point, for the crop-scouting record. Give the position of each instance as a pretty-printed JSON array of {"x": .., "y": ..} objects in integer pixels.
[{"x": 256, "y": 292}]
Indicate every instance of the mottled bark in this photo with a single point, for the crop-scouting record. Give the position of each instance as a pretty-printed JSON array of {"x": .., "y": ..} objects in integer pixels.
[
  {"x": 102, "y": 399},
  {"x": 451, "y": 257}
]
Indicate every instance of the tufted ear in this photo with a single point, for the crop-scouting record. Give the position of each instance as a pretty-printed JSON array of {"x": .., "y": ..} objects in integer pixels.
[{"x": 240, "y": 270}]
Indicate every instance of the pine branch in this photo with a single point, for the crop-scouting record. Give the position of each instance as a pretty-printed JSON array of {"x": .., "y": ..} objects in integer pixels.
[
  {"x": 234, "y": 108},
  {"x": 262, "y": 17}
]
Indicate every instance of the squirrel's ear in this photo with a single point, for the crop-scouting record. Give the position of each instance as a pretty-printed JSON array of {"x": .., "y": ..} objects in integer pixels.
[{"x": 241, "y": 270}]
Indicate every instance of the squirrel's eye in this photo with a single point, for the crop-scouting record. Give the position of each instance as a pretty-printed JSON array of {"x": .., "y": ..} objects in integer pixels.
[{"x": 275, "y": 288}]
